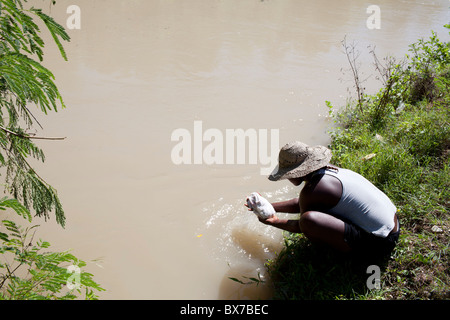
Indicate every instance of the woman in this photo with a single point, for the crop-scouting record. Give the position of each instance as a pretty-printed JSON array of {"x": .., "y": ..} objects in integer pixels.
[{"x": 338, "y": 207}]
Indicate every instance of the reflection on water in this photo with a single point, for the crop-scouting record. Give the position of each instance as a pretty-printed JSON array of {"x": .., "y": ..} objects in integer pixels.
[
  {"x": 137, "y": 71},
  {"x": 245, "y": 245}
]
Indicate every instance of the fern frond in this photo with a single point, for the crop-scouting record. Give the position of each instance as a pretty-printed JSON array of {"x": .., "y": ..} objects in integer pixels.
[
  {"x": 29, "y": 81},
  {"x": 55, "y": 29},
  {"x": 16, "y": 206}
]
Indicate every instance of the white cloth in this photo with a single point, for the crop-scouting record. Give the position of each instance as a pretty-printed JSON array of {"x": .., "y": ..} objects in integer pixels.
[{"x": 260, "y": 206}]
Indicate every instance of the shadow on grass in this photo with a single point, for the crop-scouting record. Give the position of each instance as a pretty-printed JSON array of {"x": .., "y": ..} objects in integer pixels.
[{"x": 305, "y": 271}]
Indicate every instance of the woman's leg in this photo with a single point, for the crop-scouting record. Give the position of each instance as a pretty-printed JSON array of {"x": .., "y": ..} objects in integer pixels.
[{"x": 324, "y": 228}]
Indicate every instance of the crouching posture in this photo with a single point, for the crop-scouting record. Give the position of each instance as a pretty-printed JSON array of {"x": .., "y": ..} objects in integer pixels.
[{"x": 338, "y": 207}]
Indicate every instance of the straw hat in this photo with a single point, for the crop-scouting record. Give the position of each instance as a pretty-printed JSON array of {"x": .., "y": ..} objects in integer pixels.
[{"x": 297, "y": 159}]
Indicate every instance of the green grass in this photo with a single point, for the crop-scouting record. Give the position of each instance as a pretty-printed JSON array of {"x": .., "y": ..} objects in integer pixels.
[{"x": 402, "y": 146}]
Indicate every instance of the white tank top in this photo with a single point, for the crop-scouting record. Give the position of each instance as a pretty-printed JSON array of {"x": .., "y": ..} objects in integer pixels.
[{"x": 362, "y": 203}]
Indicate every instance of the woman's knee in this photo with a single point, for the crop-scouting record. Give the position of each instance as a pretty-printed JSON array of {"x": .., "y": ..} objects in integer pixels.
[
  {"x": 309, "y": 222},
  {"x": 323, "y": 228}
]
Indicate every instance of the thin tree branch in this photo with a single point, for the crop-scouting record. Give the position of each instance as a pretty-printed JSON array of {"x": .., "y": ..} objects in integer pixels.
[
  {"x": 352, "y": 56},
  {"x": 30, "y": 137}
]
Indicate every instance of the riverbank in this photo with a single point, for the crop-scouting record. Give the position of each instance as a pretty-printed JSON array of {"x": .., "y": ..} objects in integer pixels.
[{"x": 399, "y": 139}]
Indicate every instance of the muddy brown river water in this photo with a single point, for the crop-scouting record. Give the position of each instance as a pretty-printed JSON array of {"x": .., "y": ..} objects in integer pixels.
[{"x": 152, "y": 185}]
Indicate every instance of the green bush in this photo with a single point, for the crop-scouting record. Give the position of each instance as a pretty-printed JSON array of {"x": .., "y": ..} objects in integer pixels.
[
  {"x": 399, "y": 140},
  {"x": 33, "y": 273}
]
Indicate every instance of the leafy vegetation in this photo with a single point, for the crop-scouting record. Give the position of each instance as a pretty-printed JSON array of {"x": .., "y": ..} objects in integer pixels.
[
  {"x": 399, "y": 139},
  {"x": 26, "y": 272},
  {"x": 24, "y": 82},
  {"x": 32, "y": 273}
]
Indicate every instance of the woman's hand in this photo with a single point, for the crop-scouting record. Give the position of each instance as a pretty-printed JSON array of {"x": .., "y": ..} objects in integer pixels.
[
  {"x": 246, "y": 204},
  {"x": 270, "y": 221}
]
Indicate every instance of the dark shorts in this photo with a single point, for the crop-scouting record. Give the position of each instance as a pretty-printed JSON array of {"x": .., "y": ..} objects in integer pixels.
[{"x": 367, "y": 244}]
